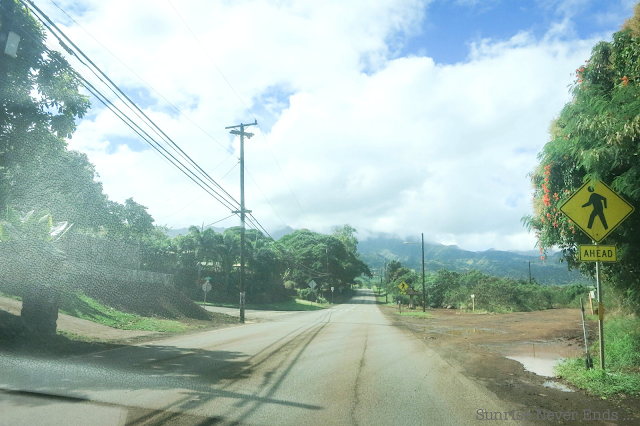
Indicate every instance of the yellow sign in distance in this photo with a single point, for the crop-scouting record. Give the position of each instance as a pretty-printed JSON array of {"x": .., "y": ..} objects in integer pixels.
[
  {"x": 597, "y": 253},
  {"x": 403, "y": 287},
  {"x": 596, "y": 209}
]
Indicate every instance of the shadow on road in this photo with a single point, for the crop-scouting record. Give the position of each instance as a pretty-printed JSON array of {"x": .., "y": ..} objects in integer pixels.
[{"x": 194, "y": 377}]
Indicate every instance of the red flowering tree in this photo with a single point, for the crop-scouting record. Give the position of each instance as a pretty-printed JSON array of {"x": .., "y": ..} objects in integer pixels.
[{"x": 596, "y": 136}]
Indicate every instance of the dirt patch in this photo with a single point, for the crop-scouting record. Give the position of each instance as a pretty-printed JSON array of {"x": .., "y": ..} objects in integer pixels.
[{"x": 477, "y": 344}]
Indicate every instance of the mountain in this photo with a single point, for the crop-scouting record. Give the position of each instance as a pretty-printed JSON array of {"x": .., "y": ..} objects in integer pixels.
[
  {"x": 512, "y": 264},
  {"x": 282, "y": 232}
]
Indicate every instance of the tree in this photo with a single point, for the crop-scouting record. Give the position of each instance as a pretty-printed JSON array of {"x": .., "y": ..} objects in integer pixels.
[
  {"x": 347, "y": 235},
  {"x": 312, "y": 256},
  {"x": 39, "y": 100},
  {"x": 597, "y": 137}
]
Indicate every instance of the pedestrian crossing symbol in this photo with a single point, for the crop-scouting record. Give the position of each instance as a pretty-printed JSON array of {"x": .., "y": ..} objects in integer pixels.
[
  {"x": 596, "y": 209},
  {"x": 403, "y": 287}
]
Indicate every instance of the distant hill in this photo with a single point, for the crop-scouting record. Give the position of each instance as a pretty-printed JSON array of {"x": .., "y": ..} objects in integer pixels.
[{"x": 510, "y": 264}]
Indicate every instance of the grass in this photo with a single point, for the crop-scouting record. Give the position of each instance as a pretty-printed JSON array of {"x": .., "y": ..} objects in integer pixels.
[
  {"x": 10, "y": 296},
  {"x": 415, "y": 314},
  {"x": 622, "y": 356},
  {"x": 82, "y": 306},
  {"x": 288, "y": 305}
]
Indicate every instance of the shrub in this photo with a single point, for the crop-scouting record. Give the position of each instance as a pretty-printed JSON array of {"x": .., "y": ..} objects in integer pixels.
[{"x": 307, "y": 294}]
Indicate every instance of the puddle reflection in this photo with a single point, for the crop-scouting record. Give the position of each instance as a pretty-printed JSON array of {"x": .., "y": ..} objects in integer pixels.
[{"x": 541, "y": 358}]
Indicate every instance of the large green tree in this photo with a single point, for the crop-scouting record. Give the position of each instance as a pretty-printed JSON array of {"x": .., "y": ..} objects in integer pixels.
[
  {"x": 597, "y": 137},
  {"x": 323, "y": 258},
  {"x": 39, "y": 102}
]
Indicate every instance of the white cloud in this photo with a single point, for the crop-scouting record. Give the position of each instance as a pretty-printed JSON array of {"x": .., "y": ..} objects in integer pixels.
[{"x": 400, "y": 145}]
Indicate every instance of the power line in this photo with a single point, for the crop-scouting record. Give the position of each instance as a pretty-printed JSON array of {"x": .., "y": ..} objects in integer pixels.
[
  {"x": 217, "y": 221},
  {"x": 129, "y": 102},
  {"x": 143, "y": 134},
  {"x": 141, "y": 79},
  {"x": 246, "y": 107}
]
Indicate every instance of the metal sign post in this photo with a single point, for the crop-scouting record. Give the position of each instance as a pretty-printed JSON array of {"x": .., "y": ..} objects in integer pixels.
[
  {"x": 588, "y": 361},
  {"x": 600, "y": 315},
  {"x": 597, "y": 210}
]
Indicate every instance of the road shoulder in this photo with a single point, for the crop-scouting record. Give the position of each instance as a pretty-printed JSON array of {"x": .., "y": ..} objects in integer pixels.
[{"x": 475, "y": 345}]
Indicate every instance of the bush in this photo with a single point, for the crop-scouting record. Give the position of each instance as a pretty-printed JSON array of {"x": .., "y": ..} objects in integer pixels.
[{"x": 307, "y": 294}]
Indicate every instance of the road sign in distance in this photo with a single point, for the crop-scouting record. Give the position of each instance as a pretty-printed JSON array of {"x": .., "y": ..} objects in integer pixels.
[
  {"x": 596, "y": 209},
  {"x": 312, "y": 284},
  {"x": 206, "y": 286},
  {"x": 403, "y": 286},
  {"x": 597, "y": 253}
]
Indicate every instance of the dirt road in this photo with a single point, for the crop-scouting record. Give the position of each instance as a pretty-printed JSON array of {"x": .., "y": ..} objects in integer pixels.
[{"x": 479, "y": 344}]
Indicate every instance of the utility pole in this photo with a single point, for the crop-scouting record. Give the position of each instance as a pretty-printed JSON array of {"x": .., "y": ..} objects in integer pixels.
[
  {"x": 242, "y": 210},
  {"x": 424, "y": 293},
  {"x": 385, "y": 279},
  {"x": 529, "y": 272}
]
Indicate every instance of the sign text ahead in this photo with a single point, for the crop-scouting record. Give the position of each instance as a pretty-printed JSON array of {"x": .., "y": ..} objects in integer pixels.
[{"x": 597, "y": 253}]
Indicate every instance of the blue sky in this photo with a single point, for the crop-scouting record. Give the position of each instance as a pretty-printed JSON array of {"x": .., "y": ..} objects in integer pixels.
[{"x": 449, "y": 26}]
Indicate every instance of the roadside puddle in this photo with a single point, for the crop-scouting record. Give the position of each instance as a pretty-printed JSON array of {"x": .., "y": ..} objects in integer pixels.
[
  {"x": 540, "y": 358},
  {"x": 556, "y": 385}
]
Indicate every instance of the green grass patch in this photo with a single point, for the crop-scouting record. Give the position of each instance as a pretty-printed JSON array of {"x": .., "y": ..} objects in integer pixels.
[
  {"x": 10, "y": 296},
  {"x": 596, "y": 381},
  {"x": 415, "y": 314},
  {"x": 287, "y": 305},
  {"x": 82, "y": 306},
  {"x": 622, "y": 356}
]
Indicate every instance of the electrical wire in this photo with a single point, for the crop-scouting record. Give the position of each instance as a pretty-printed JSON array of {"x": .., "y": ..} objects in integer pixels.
[
  {"x": 144, "y": 135},
  {"x": 247, "y": 108},
  {"x": 113, "y": 87},
  {"x": 141, "y": 79}
]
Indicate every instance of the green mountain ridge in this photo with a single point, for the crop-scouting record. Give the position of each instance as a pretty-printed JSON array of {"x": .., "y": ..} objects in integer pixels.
[{"x": 510, "y": 264}]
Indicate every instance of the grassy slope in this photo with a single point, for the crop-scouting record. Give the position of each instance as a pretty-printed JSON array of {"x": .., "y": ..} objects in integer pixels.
[{"x": 81, "y": 306}]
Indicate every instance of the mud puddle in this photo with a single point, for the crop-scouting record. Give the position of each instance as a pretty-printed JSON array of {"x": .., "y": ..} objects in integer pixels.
[{"x": 540, "y": 358}]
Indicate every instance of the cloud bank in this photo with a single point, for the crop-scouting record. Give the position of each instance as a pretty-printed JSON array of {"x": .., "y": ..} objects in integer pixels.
[{"x": 391, "y": 144}]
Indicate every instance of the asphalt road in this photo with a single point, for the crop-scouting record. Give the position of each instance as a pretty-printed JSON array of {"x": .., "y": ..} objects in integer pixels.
[{"x": 341, "y": 366}]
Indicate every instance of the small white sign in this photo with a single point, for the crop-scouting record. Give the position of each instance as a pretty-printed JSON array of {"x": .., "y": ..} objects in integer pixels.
[
  {"x": 206, "y": 287},
  {"x": 473, "y": 296},
  {"x": 332, "y": 288},
  {"x": 11, "y": 48}
]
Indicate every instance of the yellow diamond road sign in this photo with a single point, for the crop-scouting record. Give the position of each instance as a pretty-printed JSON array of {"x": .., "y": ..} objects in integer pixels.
[
  {"x": 596, "y": 209},
  {"x": 403, "y": 286}
]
